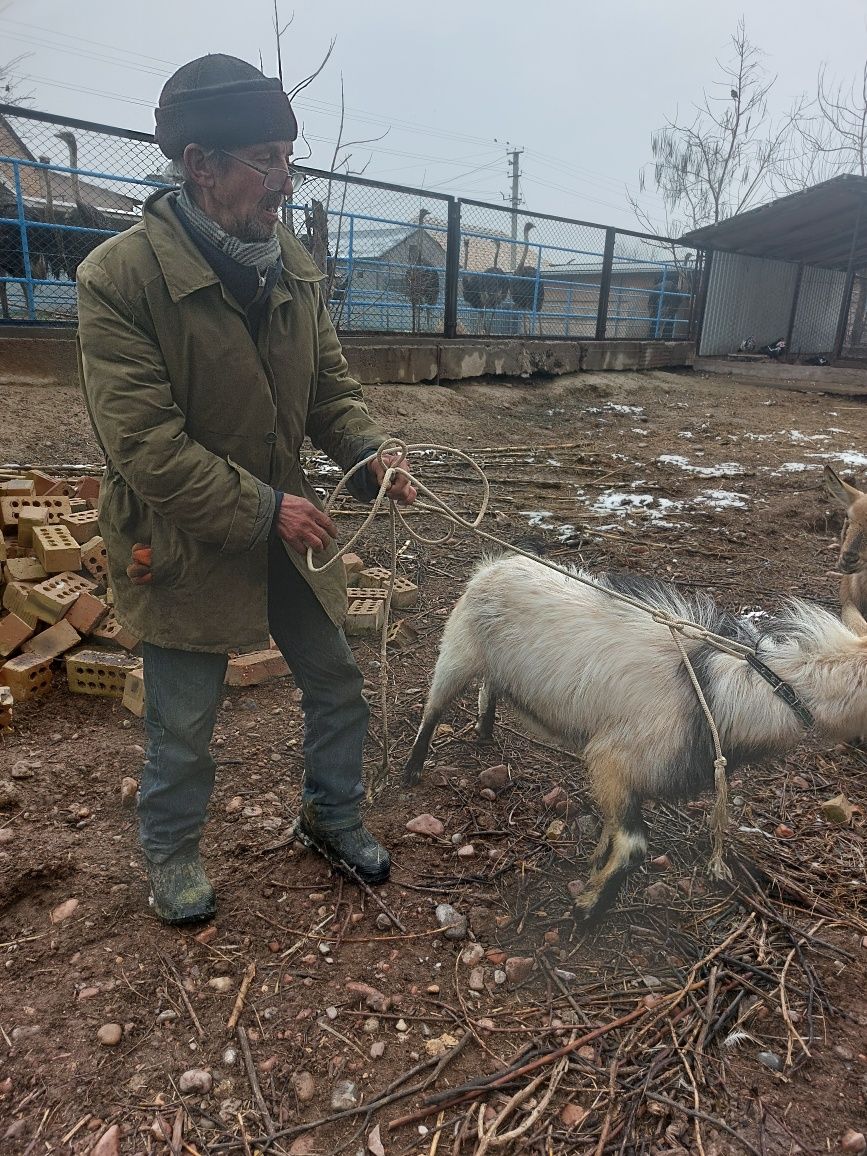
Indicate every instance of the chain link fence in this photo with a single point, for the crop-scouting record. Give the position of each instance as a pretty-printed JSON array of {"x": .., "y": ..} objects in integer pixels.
[{"x": 394, "y": 259}]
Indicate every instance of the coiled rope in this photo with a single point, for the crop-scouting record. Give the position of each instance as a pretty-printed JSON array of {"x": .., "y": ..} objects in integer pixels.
[{"x": 680, "y": 628}]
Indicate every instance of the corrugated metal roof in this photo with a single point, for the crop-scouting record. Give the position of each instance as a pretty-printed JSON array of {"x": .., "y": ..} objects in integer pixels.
[{"x": 815, "y": 226}]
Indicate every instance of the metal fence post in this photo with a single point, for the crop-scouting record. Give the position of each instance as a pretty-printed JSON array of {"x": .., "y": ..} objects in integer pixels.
[
  {"x": 605, "y": 283},
  {"x": 453, "y": 265},
  {"x": 845, "y": 305},
  {"x": 799, "y": 276},
  {"x": 25, "y": 245}
]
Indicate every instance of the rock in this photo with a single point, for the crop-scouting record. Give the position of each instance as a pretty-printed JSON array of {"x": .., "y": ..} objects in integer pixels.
[
  {"x": 495, "y": 956},
  {"x": 374, "y": 1143},
  {"x": 573, "y": 1114},
  {"x": 371, "y": 1026},
  {"x": 552, "y": 937},
  {"x": 555, "y": 796},
  {"x": 383, "y": 921},
  {"x": 466, "y": 851},
  {"x": 207, "y": 935},
  {"x": 487, "y": 793},
  {"x": 651, "y": 981},
  {"x": 64, "y": 910},
  {"x": 476, "y": 982},
  {"x": 25, "y": 1032},
  {"x": 782, "y": 831},
  {"x": 234, "y": 805},
  {"x": 660, "y": 893},
  {"x": 331, "y": 1012},
  {"x": 110, "y": 1035},
  {"x": 10, "y": 795},
  {"x": 575, "y": 887},
  {"x": 377, "y": 1049},
  {"x": 587, "y": 826},
  {"x": 374, "y": 999},
  {"x": 6, "y": 835},
  {"x": 495, "y": 778},
  {"x": 518, "y": 968},
  {"x": 454, "y": 923},
  {"x": 199, "y": 1081},
  {"x": 566, "y": 976},
  {"x": 588, "y": 1053},
  {"x": 402, "y": 1026},
  {"x": 838, "y": 810},
  {"x": 221, "y": 983},
  {"x": 770, "y": 1060},
  {"x": 88, "y": 993},
  {"x": 109, "y": 1142},
  {"x": 344, "y": 1095},
  {"x": 128, "y": 791},
  {"x": 304, "y": 1086},
  {"x": 304, "y": 1145},
  {"x": 439, "y": 1045},
  {"x": 426, "y": 825},
  {"x": 500, "y": 977},
  {"x": 852, "y": 1141},
  {"x": 473, "y": 954},
  {"x": 660, "y": 863},
  {"x": 24, "y": 768},
  {"x": 230, "y": 1056},
  {"x": 555, "y": 830},
  {"x": 16, "y": 1129}
]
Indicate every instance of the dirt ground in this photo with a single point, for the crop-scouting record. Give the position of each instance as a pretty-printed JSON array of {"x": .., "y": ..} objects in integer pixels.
[{"x": 745, "y": 1009}]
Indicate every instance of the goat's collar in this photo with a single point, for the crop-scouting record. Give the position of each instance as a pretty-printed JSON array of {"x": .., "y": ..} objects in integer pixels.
[{"x": 782, "y": 690}]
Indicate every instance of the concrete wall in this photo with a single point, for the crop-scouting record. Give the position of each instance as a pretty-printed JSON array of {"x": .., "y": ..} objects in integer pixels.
[{"x": 47, "y": 356}]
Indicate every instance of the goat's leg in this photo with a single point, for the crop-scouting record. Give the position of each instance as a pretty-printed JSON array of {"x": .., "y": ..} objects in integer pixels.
[
  {"x": 487, "y": 713},
  {"x": 624, "y": 836},
  {"x": 458, "y": 664}
]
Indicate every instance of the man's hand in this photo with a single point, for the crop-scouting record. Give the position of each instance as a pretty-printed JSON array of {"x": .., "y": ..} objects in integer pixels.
[
  {"x": 301, "y": 524},
  {"x": 401, "y": 489},
  {"x": 139, "y": 570}
]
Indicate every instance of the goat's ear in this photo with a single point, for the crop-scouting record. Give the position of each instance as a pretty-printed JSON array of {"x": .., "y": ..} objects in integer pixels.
[{"x": 839, "y": 490}]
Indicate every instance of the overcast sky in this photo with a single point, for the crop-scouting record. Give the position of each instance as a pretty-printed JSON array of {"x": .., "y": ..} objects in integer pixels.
[{"x": 579, "y": 85}]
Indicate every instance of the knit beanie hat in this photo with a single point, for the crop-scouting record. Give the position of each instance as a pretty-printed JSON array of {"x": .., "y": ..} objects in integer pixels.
[{"x": 221, "y": 102}]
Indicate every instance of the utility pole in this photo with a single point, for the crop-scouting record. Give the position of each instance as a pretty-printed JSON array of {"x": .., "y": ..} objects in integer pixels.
[{"x": 515, "y": 168}]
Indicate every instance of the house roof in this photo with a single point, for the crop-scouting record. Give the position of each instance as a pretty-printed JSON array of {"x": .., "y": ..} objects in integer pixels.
[{"x": 816, "y": 226}]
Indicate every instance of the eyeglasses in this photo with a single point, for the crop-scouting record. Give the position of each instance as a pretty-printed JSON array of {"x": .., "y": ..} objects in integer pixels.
[{"x": 276, "y": 180}]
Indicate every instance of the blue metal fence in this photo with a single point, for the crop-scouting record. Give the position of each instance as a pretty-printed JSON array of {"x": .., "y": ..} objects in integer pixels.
[{"x": 395, "y": 260}]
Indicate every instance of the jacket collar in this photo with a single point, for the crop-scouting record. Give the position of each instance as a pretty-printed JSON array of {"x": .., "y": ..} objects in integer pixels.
[{"x": 185, "y": 268}]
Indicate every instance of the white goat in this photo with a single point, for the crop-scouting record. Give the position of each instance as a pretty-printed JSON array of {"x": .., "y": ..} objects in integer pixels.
[{"x": 608, "y": 681}]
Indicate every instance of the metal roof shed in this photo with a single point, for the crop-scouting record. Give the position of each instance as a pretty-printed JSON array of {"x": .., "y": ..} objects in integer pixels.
[{"x": 787, "y": 267}]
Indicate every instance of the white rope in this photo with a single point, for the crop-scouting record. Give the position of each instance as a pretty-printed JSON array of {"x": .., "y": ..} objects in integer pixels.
[{"x": 437, "y": 506}]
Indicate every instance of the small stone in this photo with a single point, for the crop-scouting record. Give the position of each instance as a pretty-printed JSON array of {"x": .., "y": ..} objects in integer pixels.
[
  {"x": 488, "y": 793},
  {"x": 331, "y": 1012},
  {"x": 782, "y": 831},
  {"x": 128, "y": 791},
  {"x": 10, "y": 795},
  {"x": 500, "y": 977},
  {"x": 660, "y": 893},
  {"x": 552, "y": 937},
  {"x": 377, "y": 1049},
  {"x": 476, "y": 981},
  {"x": 344, "y": 1096},
  {"x": 88, "y": 993},
  {"x": 770, "y": 1060},
  {"x": 495, "y": 956},
  {"x": 587, "y": 1053},
  {"x": 566, "y": 976},
  {"x": 554, "y": 796},
  {"x": 466, "y": 851},
  {"x": 485, "y": 1024},
  {"x": 457, "y": 838},
  {"x": 452, "y": 921},
  {"x": 518, "y": 968},
  {"x": 235, "y": 804},
  {"x": 651, "y": 981},
  {"x": 64, "y": 910},
  {"x": 109, "y": 1142},
  {"x": 402, "y": 1026},
  {"x": 433, "y": 989},
  {"x": 843, "y": 1053},
  {"x": 230, "y": 1056},
  {"x": 374, "y": 998},
  {"x": 110, "y": 1035},
  {"x": 304, "y": 1086},
  {"x": 371, "y": 1026},
  {"x": 383, "y": 921},
  {"x": 496, "y": 778},
  {"x": 426, "y": 825},
  {"x": 374, "y": 1143},
  {"x": 199, "y": 1081},
  {"x": 575, "y": 887},
  {"x": 660, "y": 863},
  {"x": 852, "y": 1141},
  {"x": 555, "y": 830},
  {"x": 587, "y": 826},
  {"x": 573, "y": 1114},
  {"x": 221, "y": 983},
  {"x": 26, "y": 1031},
  {"x": 472, "y": 954},
  {"x": 207, "y": 935}
]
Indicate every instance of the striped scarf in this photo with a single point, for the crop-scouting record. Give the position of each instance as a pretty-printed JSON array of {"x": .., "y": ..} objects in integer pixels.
[{"x": 261, "y": 255}]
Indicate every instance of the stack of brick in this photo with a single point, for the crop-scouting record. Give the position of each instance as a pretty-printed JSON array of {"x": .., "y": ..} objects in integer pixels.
[
  {"x": 56, "y": 607},
  {"x": 367, "y": 591}
]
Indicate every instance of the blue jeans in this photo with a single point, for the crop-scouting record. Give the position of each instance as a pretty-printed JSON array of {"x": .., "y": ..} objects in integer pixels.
[{"x": 183, "y": 690}]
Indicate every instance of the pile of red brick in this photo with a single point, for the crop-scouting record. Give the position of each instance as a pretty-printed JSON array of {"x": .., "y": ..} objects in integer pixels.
[{"x": 57, "y": 606}]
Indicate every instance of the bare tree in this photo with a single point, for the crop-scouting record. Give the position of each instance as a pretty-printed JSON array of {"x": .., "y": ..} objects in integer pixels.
[
  {"x": 722, "y": 161},
  {"x": 832, "y": 134},
  {"x": 11, "y": 90}
]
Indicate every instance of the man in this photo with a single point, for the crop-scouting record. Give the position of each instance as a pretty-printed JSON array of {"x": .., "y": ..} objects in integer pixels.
[{"x": 206, "y": 354}]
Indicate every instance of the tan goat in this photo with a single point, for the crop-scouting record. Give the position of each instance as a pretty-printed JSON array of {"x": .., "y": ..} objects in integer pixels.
[{"x": 852, "y": 563}]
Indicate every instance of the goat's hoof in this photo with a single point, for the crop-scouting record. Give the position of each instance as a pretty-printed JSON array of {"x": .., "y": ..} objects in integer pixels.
[
  {"x": 411, "y": 775},
  {"x": 484, "y": 736}
]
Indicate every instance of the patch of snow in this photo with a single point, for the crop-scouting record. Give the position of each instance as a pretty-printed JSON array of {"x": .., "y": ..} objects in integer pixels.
[
  {"x": 684, "y": 433},
  {"x": 612, "y": 408},
  {"x": 847, "y": 457},
  {"x": 622, "y": 503},
  {"x": 799, "y": 438},
  {"x": 642, "y": 432},
  {"x": 722, "y": 500},
  {"x": 723, "y": 470},
  {"x": 795, "y": 467},
  {"x": 754, "y": 437}
]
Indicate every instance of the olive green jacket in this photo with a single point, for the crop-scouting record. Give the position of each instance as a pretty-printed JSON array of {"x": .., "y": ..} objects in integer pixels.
[{"x": 199, "y": 425}]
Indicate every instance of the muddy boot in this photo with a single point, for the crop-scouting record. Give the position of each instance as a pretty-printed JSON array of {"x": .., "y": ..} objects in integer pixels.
[
  {"x": 353, "y": 850},
  {"x": 180, "y": 889}
]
